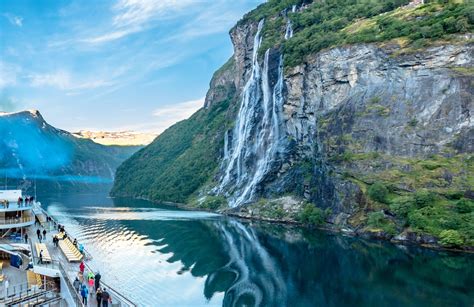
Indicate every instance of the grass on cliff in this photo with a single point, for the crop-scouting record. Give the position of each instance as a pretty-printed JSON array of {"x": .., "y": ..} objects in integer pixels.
[
  {"x": 431, "y": 196},
  {"x": 331, "y": 23},
  {"x": 178, "y": 162}
]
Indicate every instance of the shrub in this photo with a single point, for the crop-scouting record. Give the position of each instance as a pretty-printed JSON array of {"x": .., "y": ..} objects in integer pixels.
[
  {"x": 454, "y": 195},
  {"x": 378, "y": 192},
  {"x": 423, "y": 198},
  {"x": 464, "y": 206},
  {"x": 402, "y": 207},
  {"x": 417, "y": 220},
  {"x": 379, "y": 220},
  {"x": 312, "y": 215},
  {"x": 451, "y": 238},
  {"x": 213, "y": 202},
  {"x": 376, "y": 219}
]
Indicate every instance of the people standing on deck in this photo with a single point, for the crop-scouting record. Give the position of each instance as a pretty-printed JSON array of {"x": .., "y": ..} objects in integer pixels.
[
  {"x": 26, "y": 238},
  {"x": 40, "y": 257},
  {"x": 98, "y": 296},
  {"x": 84, "y": 294},
  {"x": 20, "y": 201},
  {"x": 77, "y": 284},
  {"x": 44, "y": 234},
  {"x": 75, "y": 243},
  {"x": 91, "y": 282},
  {"x": 38, "y": 232},
  {"x": 82, "y": 267},
  {"x": 40, "y": 237},
  {"x": 105, "y": 298},
  {"x": 97, "y": 280}
]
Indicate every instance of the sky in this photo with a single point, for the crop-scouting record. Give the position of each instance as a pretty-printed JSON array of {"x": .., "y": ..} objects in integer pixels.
[{"x": 119, "y": 65}]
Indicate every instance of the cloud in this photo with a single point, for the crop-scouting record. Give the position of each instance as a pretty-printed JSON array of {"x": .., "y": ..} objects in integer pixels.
[
  {"x": 111, "y": 36},
  {"x": 8, "y": 74},
  {"x": 180, "y": 110},
  {"x": 167, "y": 116},
  {"x": 14, "y": 20},
  {"x": 62, "y": 80},
  {"x": 138, "y": 12},
  {"x": 132, "y": 16}
]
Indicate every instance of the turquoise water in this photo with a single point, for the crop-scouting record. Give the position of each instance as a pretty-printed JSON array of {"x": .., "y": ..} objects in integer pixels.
[{"x": 160, "y": 256}]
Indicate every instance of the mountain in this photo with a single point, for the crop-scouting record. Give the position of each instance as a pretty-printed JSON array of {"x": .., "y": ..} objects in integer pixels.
[
  {"x": 122, "y": 138},
  {"x": 355, "y": 115},
  {"x": 32, "y": 150}
]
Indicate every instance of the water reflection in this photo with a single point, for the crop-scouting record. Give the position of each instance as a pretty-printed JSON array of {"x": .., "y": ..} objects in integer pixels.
[{"x": 172, "y": 257}]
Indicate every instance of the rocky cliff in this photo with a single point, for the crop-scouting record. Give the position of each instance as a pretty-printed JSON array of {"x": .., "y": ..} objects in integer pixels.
[{"x": 378, "y": 137}]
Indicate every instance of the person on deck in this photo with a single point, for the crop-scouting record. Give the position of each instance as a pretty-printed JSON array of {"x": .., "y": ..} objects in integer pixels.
[
  {"x": 97, "y": 280},
  {"x": 44, "y": 234},
  {"x": 75, "y": 242},
  {"x": 77, "y": 284},
  {"x": 40, "y": 257},
  {"x": 40, "y": 237},
  {"x": 26, "y": 238},
  {"x": 106, "y": 298},
  {"x": 98, "y": 296},
  {"x": 91, "y": 284},
  {"x": 82, "y": 267},
  {"x": 84, "y": 294},
  {"x": 38, "y": 232}
]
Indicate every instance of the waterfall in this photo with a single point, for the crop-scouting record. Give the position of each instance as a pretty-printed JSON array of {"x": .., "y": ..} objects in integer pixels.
[
  {"x": 289, "y": 26},
  {"x": 226, "y": 145},
  {"x": 256, "y": 141}
]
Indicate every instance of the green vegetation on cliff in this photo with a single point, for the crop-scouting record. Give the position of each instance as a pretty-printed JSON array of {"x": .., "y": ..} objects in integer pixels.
[
  {"x": 427, "y": 196},
  {"x": 178, "y": 162},
  {"x": 332, "y": 23}
]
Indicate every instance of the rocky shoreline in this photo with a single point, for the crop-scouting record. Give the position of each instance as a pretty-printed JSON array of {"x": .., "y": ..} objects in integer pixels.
[{"x": 405, "y": 238}]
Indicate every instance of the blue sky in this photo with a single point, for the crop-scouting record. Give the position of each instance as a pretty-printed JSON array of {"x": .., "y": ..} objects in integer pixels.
[{"x": 113, "y": 65}]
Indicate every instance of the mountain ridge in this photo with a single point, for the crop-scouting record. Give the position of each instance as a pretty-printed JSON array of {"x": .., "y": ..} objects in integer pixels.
[{"x": 31, "y": 149}]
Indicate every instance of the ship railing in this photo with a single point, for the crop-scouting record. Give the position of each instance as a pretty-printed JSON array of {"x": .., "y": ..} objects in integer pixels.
[
  {"x": 49, "y": 264},
  {"x": 118, "y": 299},
  {"x": 19, "y": 220},
  {"x": 74, "y": 293},
  {"x": 21, "y": 292},
  {"x": 16, "y": 206}
]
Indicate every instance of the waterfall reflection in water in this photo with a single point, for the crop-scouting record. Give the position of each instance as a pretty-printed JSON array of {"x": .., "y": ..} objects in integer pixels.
[{"x": 158, "y": 255}]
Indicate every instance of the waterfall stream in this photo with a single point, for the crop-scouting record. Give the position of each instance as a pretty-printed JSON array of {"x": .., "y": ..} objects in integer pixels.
[{"x": 257, "y": 133}]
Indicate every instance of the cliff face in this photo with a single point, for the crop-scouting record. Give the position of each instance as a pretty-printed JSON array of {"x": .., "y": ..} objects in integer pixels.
[
  {"x": 359, "y": 130},
  {"x": 367, "y": 99}
]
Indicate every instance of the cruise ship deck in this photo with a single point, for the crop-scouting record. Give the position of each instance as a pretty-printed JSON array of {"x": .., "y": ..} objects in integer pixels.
[{"x": 27, "y": 280}]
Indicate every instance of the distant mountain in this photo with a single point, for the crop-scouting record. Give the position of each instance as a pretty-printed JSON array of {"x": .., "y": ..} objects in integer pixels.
[
  {"x": 31, "y": 149},
  {"x": 122, "y": 138}
]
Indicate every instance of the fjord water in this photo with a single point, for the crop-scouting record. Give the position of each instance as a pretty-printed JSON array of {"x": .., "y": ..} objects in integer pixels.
[{"x": 161, "y": 256}]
